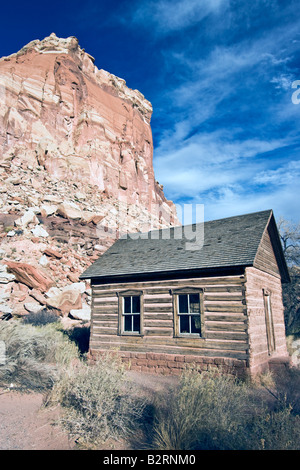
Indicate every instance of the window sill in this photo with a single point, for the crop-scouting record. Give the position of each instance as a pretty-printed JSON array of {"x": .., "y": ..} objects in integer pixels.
[
  {"x": 130, "y": 333},
  {"x": 189, "y": 335}
]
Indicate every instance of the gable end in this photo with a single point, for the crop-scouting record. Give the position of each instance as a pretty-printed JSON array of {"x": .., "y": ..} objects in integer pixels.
[{"x": 269, "y": 257}]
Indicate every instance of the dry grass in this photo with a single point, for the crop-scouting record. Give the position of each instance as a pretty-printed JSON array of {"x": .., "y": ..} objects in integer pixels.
[
  {"x": 98, "y": 402},
  {"x": 34, "y": 356},
  {"x": 204, "y": 411},
  {"x": 215, "y": 412}
]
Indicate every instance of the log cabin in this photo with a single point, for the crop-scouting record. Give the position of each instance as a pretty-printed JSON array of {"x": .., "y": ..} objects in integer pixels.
[{"x": 207, "y": 295}]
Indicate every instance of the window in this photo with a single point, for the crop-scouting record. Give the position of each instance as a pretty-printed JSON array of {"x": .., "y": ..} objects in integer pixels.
[
  {"x": 130, "y": 313},
  {"x": 269, "y": 321},
  {"x": 187, "y": 312}
]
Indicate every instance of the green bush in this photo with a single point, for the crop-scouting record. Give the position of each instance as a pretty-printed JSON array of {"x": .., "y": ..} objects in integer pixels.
[
  {"x": 34, "y": 356},
  {"x": 98, "y": 402}
]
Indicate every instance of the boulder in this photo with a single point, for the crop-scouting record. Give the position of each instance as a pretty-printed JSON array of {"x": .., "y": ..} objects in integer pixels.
[
  {"x": 37, "y": 295},
  {"x": 99, "y": 248},
  {"x": 5, "y": 309},
  {"x": 34, "y": 209},
  {"x": 66, "y": 301},
  {"x": 52, "y": 292},
  {"x": 52, "y": 198},
  {"x": 88, "y": 217},
  {"x": 33, "y": 307},
  {"x": 69, "y": 210},
  {"x": 80, "y": 196},
  {"x": 52, "y": 253},
  {"x": 44, "y": 261},
  {"x": 29, "y": 275},
  {"x": 77, "y": 286},
  {"x": 73, "y": 277},
  {"x": 26, "y": 219},
  {"x": 6, "y": 277},
  {"x": 18, "y": 296},
  {"x": 39, "y": 231},
  {"x": 83, "y": 314},
  {"x": 47, "y": 210},
  {"x": 5, "y": 293}
]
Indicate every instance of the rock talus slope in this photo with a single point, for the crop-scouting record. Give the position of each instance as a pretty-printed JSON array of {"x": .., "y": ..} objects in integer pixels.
[{"x": 75, "y": 170}]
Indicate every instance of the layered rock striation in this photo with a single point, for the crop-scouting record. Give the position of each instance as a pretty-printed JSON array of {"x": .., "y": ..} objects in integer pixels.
[{"x": 58, "y": 110}]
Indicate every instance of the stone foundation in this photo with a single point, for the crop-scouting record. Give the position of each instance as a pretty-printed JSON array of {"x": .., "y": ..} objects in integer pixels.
[{"x": 172, "y": 364}]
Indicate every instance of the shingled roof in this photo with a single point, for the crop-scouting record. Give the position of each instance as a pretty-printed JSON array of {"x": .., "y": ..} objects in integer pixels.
[{"x": 227, "y": 243}]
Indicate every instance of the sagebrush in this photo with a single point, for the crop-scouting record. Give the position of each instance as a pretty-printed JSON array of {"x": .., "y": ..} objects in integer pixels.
[
  {"x": 204, "y": 412},
  {"x": 44, "y": 317},
  {"x": 98, "y": 401},
  {"x": 208, "y": 411},
  {"x": 34, "y": 356},
  {"x": 212, "y": 411}
]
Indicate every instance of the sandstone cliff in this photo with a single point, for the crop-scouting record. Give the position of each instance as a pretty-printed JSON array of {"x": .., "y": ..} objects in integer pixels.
[
  {"x": 75, "y": 170},
  {"x": 80, "y": 123}
]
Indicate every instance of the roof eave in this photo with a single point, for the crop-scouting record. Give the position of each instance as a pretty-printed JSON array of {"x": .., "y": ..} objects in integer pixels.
[
  {"x": 221, "y": 270},
  {"x": 278, "y": 251}
]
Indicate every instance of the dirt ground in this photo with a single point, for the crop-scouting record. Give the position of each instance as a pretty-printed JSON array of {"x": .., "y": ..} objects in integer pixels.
[{"x": 26, "y": 425}]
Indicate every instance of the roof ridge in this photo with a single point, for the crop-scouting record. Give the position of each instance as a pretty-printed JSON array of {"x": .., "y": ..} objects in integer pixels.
[{"x": 267, "y": 211}]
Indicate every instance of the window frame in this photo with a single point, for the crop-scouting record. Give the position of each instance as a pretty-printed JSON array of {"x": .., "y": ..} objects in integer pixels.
[
  {"x": 176, "y": 314},
  {"x": 122, "y": 314},
  {"x": 270, "y": 332}
]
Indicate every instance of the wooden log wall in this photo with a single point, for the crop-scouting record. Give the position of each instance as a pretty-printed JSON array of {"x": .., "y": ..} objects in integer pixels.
[
  {"x": 257, "y": 281},
  {"x": 265, "y": 259},
  {"x": 225, "y": 319}
]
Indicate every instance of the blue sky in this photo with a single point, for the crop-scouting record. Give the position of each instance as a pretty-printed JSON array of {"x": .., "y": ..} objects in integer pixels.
[{"x": 219, "y": 75}]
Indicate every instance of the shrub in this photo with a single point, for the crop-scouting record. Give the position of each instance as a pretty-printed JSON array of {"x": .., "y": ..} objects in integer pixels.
[
  {"x": 215, "y": 412},
  {"x": 34, "y": 356},
  {"x": 204, "y": 412},
  {"x": 274, "y": 430},
  {"x": 98, "y": 402},
  {"x": 286, "y": 389},
  {"x": 44, "y": 317}
]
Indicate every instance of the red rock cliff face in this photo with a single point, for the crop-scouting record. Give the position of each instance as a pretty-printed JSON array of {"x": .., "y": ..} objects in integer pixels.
[{"x": 82, "y": 124}]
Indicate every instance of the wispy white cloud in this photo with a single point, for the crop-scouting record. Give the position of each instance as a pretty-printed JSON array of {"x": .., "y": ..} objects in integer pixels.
[
  {"x": 167, "y": 16},
  {"x": 227, "y": 102},
  {"x": 238, "y": 199},
  {"x": 208, "y": 162},
  {"x": 285, "y": 175},
  {"x": 228, "y": 78},
  {"x": 234, "y": 201},
  {"x": 283, "y": 81}
]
